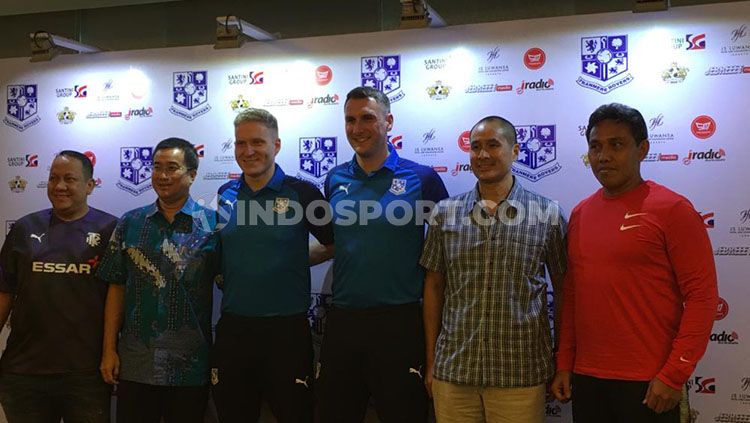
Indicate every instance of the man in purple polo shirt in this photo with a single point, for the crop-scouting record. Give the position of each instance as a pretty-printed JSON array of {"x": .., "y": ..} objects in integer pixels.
[{"x": 50, "y": 368}]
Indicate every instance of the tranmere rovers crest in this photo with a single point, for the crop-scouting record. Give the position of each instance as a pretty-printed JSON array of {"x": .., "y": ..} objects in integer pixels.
[
  {"x": 537, "y": 153},
  {"x": 190, "y": 94},
  {"x": 384, "y": 74},
  {"x": 604, "y": 60},
  {"x": 398, "y": 186},
  {"x": 317, "y": 156},
  {"x": 22, "y": 107},
  {"x": 136, "y": 165}
]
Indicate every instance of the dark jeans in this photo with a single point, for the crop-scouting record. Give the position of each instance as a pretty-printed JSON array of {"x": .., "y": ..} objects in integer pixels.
[
  {"x": 80, "y": 397},
  {"x": 378, "y": 352},
  {"x": 615, "y": 401},
  {"x": 142, "y": 403},
  {"x": 267, "y": 358}
]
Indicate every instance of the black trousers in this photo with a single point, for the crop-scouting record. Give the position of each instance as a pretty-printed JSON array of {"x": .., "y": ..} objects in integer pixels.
[
  {"x": 378, "y": 352},
  {"x": 79, "y": 397},
  {"x": 142, "y": 403},
  {"x": 257, "y": 358},
  {"x": 617, "y": 401}
]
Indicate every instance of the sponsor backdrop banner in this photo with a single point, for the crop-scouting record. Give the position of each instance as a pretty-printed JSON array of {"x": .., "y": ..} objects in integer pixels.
[{"x": 687, "y": 70}]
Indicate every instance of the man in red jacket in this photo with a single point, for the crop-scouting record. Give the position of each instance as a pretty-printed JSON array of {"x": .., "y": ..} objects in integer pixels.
[{"x": 640, "y": 291}]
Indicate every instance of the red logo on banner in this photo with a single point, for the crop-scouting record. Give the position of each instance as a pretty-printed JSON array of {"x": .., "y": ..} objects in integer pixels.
[
  {"x": 464, "y": 141},
  {"x": 722, "y": 309},
  {"x": 440, "y": 169},
  {"x": 200, "y": 149},
  {"x": 534, "y": 58},
  {"x": 323, "y": 75},
  {"x": 91, "y": 156},
  {"x": 703, "y": 127},
  {"x": 396, "y": 141}
]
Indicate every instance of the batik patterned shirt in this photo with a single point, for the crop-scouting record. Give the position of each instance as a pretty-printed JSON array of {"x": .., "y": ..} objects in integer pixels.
[{"x": 168, "y": 270}]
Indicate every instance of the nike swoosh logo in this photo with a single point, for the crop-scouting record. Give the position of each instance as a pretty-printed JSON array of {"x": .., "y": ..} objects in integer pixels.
[
  {"x": 625, "y": 228},
  {"x": 683, "y": 360},
  {"x": 628, "y": 215}
]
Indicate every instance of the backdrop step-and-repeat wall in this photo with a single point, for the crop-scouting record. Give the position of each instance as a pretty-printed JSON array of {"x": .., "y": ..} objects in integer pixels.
[{"x": 687, "y": 70}]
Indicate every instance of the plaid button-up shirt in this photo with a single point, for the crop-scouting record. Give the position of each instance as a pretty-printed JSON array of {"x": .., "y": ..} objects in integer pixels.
[{"x": 495, "y": 327}]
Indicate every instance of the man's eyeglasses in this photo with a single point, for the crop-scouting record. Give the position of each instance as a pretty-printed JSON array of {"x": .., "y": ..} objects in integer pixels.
[{"x": 168, "y": 170}]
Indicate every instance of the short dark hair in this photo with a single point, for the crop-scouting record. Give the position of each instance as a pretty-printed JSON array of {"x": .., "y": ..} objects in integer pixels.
[
  {"x": 188, "y": 149},
  {"x": 508, "y": 129},
  {"x": 367, "y": 92},
  {"x": 86, "y": 166},
  {"x": 619, "y": 113}
]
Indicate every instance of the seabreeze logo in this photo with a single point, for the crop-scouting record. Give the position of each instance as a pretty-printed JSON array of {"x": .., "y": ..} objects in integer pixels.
[
  {"x": 534, "y": 58},
  {"x": 706, "y": 156},
  {"x": 725, "y": 338},
  {"x": 674, "y": 74},
  {"x": 731, "y": 251},
  {"x": 438, "y": 91},
  {"x": 384, "y": 74},
  {"x": 282, "y": 102},
  {"x": 190, "y": 94},
  {"x": 323, "y": 75},
  {"x": 136, "y": 165},
  {"x": 703, "y": 127},
  {"x": 104, "y": 114},
  {"x": 487, "y": 88},
  {"x": 22, "y": 107},
  {"x": 317, "y": 156},
  {"x": 540, "y": 85},
  {"x": 537, "y": 152},
  {"x": 464, "y": 141},
  {"x": 250, "y": 78},
  {"x": 661, "y": 157},
  {"x": 396, "y": 141},
  {"x": 727, "y": 70},
  {"x": 78, "y": 91},
  {"x": 604, "y": 59},
  {"x": 722, "y": 309},
  {"x": 702, "y": 385}
]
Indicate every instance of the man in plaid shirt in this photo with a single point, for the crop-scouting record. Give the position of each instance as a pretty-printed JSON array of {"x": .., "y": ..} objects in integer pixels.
[{"x": 489, "y": 346}]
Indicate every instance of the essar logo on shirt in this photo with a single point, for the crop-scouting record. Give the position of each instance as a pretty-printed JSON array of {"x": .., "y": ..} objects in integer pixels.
[{"x": 49, "y": 267}]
